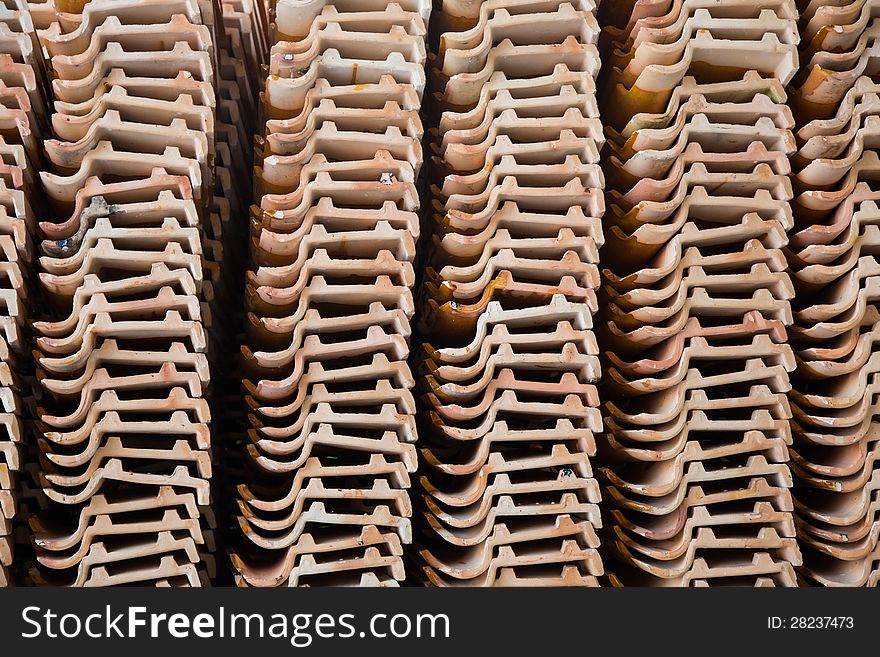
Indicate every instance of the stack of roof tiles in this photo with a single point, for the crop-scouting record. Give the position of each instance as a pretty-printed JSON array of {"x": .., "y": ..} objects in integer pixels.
[
  {"x": 163, "y": 203},
  {"x": 509, "y": 409},
  {"x": 833, "y": 258},
  {"x": 329, "y": 300},
  {"x": 129, "y": 263},
  {"x": 21, "y": 113},
  {"x": 695, "y": 299}
]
